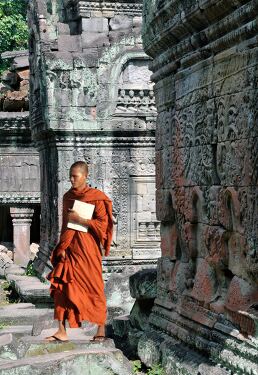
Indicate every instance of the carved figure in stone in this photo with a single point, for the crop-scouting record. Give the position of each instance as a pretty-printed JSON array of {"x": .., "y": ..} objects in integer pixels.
[
  {"x": 143, "y": 106},
  {"x": 51, "y": 82},
  {"x": 132, "y": 102},
  {"x": 121, "y": 102},
  {"x": 152, "y": 104},
  {"x": 75, "y": 84}
]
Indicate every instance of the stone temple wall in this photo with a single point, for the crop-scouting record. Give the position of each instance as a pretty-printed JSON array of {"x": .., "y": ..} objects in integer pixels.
[
  {"x": 205, "y": 69},
  {"x": 91, "y": 99},
  {"x": 19, "y": 161}
]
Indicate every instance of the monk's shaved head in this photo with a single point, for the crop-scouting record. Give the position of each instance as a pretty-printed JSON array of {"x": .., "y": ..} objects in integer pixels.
[{"x": 82, "y": 165}]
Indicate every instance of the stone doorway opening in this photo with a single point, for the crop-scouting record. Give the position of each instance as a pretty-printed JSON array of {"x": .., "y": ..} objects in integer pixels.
[
  {"x": 35, "y": 225},
  {"x": 20, "y": 231},
  {"x": 6, "y": 226}
]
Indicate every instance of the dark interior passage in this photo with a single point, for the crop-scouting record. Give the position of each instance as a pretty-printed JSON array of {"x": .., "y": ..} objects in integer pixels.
[{"x": 6, "y": 226}]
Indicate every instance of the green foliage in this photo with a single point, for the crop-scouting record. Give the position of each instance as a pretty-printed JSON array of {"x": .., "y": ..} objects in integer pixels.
[
  {"x": 137, "y": 365},
  {"x": 156, "y": 369},
  {"x": 30, "y": 271},
  {"x": 13, "y": 27}
]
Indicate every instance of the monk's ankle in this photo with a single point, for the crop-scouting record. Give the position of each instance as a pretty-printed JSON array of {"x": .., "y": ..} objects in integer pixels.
[{"x": 101, "y": 330}]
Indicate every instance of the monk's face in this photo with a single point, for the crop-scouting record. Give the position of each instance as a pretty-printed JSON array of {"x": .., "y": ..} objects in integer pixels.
[{"x": 78, "y": 178}]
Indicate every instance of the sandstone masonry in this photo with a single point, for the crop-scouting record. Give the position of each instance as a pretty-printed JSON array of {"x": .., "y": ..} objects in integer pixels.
[{"x": 205, "y": 61}]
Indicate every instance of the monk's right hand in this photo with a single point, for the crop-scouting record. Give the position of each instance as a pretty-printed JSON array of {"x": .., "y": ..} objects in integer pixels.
[{"x": 63, "y": 255}]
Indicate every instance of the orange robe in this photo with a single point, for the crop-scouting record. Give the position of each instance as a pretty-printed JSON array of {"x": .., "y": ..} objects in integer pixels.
[{"x": 76, "y": 283}]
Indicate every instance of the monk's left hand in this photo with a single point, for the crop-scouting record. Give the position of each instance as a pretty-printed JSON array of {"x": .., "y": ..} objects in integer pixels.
[{"x": 73, "y": 216}]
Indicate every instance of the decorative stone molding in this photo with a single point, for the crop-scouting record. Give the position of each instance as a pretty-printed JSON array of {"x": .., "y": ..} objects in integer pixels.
[
  {"x": 14, "y": 121},
  {"x": 19, "y": 198},
  {"x": 136, "y": 103},
  {"x": 79, "y": 141},
  {"x": 82, "y": 8}
]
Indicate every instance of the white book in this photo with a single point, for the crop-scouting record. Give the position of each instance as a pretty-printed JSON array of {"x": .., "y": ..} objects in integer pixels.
[{"x": 85, "y": 210}]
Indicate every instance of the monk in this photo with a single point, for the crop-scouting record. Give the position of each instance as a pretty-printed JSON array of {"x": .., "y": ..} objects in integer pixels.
[{"x": 76, "y": 279}]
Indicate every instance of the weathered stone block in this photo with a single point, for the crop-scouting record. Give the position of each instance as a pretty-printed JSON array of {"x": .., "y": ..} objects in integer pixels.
[
  {"x": 143, "y": 284},
  {"x": 87, "y": 59},
  {"x": 117, "y": 292},
  {"x": 121, "y": 325},
  {"x": 59, "y": 61},
  {"x": 140, "y": 313},
  {"x": 205, "y": 282},
  {"x": 137, "y": 21},
  {"x": 92, "y": 40},
  {"x": 20, "y": 62},
  {"x": 70, "y": 43},
  {"x": 95, "y": 25},
  {"x": 148, "y": 348},
  {"x": 120, "y": 22},
  {"x": 169, "y": 239},
  {"x": 164, "y": 205},
  {"x": 180, "y": 278},
  {"x": 241, "y": 295},
  {"x": 117, "y": 36},
  {"x": 133, "y": 339},
  {"x": 9, "y": 78},
  {"x": 63, "y": 28}
]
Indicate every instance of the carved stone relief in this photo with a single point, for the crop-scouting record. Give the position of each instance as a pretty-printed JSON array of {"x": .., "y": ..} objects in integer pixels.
[{"x": 205, "y": 70}]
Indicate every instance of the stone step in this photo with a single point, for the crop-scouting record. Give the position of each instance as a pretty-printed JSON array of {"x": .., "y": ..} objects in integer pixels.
[
  {"x": 7, "y": 347},
  {"x": 29, "y": 288},
  {"x": 17, "y": 331},
  {"x": 13, "y": 314},
  {"x": 94, "y": 360},
  {"x": 18, "y": 306},
  {"x": 76, "y": 335},
  {"x": 15, "y": 347},
  {"x": 78, "y": 339}
]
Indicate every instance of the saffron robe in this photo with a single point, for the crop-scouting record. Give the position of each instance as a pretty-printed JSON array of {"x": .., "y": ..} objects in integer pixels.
[{"x": 76, "y": 282}]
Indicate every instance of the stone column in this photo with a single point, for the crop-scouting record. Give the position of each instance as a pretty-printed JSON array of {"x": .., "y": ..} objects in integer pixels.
[{"x": 21, "y": 217}]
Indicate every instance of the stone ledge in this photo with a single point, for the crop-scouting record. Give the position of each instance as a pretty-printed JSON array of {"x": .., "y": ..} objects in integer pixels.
[
  {"x": 29, "y": 288},
  {"x": 103, "y": 360}
]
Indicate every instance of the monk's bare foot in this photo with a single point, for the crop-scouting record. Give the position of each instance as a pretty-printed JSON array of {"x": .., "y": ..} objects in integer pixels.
[{"x": 58, "y": 336}]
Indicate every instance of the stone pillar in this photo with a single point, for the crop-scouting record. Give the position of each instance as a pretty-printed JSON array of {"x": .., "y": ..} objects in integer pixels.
[{"x": 21, "y": 217}]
